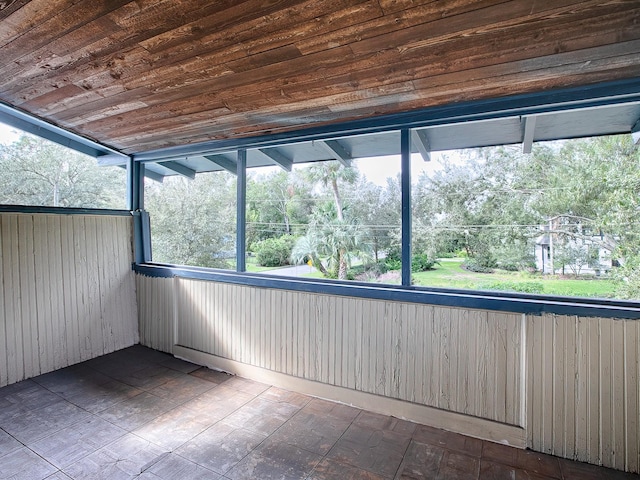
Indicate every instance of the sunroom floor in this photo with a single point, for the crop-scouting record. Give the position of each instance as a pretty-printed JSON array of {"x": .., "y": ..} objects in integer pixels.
[{"x": 139, "y": 413}]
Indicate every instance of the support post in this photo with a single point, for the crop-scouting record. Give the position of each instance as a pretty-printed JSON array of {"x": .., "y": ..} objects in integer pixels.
[
  {"x": 241, "y": 216},
  {"x": 405, "y": 184},
  {"x": 135, "y": 203}
]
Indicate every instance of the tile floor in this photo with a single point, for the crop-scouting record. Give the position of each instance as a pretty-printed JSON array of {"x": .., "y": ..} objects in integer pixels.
[{"x": 138, "y": 413}]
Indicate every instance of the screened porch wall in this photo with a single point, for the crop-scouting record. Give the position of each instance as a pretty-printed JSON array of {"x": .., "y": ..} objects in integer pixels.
[
  {"x": 557, "y": 384},
  {"x": 67, "y": 291}
]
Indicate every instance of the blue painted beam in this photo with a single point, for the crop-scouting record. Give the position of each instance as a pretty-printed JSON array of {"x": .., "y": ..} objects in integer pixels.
[
  {"x": 405, "y": 185},
  {"x": 337, "y": 151},
  {"x": 179, "y": 168},
  {"x": 278, "y": 157},
  {"x": 229, "y": 165},
  {"x": 421, "y": 142},
  {"x": 529, "y": 131},
  {"x": 241, "y": 218},
  {"x": 28, "y": 123}
]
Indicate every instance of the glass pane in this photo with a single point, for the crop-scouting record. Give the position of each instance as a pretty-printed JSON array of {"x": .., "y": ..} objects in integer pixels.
[
  {"x": 562, "y": 220},
  {"x": 35, "y": 171},
  {"x": 325, "y": 219},
  {"x": 193, "y": 222}
]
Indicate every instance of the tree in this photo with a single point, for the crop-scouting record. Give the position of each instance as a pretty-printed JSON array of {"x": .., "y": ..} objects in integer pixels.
[
  {"x": 337, "y": 240},
  {"x": 38, "y": 172},
  {"x": 193, "y": 222}
]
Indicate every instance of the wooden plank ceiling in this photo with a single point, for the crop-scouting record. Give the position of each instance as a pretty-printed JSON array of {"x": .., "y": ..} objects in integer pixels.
[{"x": 142, "y": 75}]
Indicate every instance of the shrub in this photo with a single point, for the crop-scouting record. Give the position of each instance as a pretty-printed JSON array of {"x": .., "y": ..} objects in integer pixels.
[
  {"x": 472, "y": 265},
  {"x": 523, "y": 287},
  {"x": 393, "y": 264},
  {"x": 274, "y": 252},
  {"x": 367, "y": 272},
  {"x": 421, "y": 263}
]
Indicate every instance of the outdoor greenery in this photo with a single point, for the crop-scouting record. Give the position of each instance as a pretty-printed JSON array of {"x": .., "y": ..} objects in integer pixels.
[{"x": 476, "y": 220}]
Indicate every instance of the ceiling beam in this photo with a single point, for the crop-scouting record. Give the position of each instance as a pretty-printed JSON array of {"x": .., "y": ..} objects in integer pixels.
[
  {"x": 278, "y": 157},
  {"x": 421, "y": 142},
  {"x": 635, "y": 132},
  {"x": 229, "y": 165},
  {"x": 179, "y": 168},
  {"x": 529, "y": 130},
  {"x": 149, "y": 174},
  {"x": 337, "y": 151}
]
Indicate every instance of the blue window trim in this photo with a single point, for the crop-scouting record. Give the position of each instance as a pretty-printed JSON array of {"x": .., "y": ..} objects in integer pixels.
[
  {"x": 475, "y": 299},
  {"x": 540, "y": 102},
  {"x": 63, "y": 210}
]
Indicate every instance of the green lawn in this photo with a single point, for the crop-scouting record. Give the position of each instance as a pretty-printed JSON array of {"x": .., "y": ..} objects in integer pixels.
[{"x": 450, "y": 274}]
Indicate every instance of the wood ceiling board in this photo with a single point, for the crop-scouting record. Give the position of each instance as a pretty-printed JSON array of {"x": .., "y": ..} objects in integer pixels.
[{"x": 144, "y": 75}]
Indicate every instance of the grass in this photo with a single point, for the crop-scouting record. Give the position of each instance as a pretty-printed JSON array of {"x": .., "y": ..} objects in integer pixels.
[{"x": 450, "y": 274}]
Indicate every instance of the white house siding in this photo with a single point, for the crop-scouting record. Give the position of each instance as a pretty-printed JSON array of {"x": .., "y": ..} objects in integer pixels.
[{"x": 67, "y": 291}]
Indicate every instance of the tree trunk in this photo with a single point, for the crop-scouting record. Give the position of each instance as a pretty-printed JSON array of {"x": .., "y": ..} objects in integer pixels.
[
  {"x": 342, "y": 265},
  {"x": 318, "y": 264},
  {"x": 336, "y": 197}
]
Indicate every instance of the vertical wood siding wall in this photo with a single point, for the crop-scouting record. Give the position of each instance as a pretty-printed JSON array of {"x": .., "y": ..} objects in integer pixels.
[
  {"x": 584, "y": 389},
  {"x": 67, "y": 291},
  {"x": 458, "y": 360},
  {"x": 573, "y": 383}
]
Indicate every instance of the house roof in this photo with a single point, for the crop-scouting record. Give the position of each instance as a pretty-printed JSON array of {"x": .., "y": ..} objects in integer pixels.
[{"x": 145, "y": 76}]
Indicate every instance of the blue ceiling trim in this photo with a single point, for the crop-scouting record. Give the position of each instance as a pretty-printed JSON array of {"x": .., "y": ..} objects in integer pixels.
[
  {"x": 484, "y": 300},
  {"x": 525, "y": 104},
  {"x": 30, "y": 124}
]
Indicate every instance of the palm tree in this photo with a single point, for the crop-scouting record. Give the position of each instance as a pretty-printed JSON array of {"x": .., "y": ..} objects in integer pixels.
[{"x": 335, "y": 239}]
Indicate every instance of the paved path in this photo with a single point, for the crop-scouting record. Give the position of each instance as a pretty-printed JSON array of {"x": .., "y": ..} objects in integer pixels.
[{"x": 296, "y": 271}]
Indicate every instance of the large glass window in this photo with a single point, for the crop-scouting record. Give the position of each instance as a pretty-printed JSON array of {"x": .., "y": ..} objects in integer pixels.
[
  {"x": 35, "y": 171},
  {"x": 193, "y": 221},
  {"x": 560, "y": 220}
]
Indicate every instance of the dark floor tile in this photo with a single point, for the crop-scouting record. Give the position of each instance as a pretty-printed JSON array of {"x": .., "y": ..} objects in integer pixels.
[
  {"x": 378, "y": 451},
  {"x": 421, "y": 461},
  {"x": 498, "y": 471},
  {"x": 221, "y": 447},
  {"x": 276, "y": 394},
  {"x": 20, "y": 397},
  {"x": 23, "y": 464},
  {"x": 135, "y": 412},
  {"x": 332, "y": 409},
  {"x": 182, "y": 388},
  {"x": 330, "y": 470},
  {"x": 458, "y": 466},
  {"x": 219, "y": 402},
  {"x": 532, "y": 462},
  {"x": 583, "y": 471},
  {"x": 173, "y": 467},
  {"x": 149, "y": 377},
  {"x": 262, "y": 416},
  {"x": 174, "y": 428},
  {"x": 180, "y": 365},
  {"x": 70, "y": 444},
  {"x": 72, "y": 380},
  {"x": 59, "y": 476},
  {"x": 8, "y": 444},
  {"x": 384, "y": 422},
  {"x": 312, "y": 432},
  {"x": 33, "y": 425},
  {"x": 247, "y": 386},
  {"x": 275, "y": 461},
  {"x": 448, "y": 440},
  {"x": 103, "y": 396},
  {"x": 125, "y": 458},
  {"x": 212, "y": 376}
]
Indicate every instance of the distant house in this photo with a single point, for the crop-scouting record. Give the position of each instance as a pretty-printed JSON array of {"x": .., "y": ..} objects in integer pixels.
[{"x": 578, "y": 256}]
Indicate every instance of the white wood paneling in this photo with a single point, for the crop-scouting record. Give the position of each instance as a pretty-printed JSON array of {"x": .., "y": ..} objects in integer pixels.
[
  {"x": 583, "y": 389},
  {"x": 67, "y": 292},
  {"x": 463, "y": 361}
]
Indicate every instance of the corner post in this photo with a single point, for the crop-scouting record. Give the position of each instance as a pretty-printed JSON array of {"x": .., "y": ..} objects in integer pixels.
[
  {"x": 241, "y": 216},
  {"x": 405, "y": 184}
]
